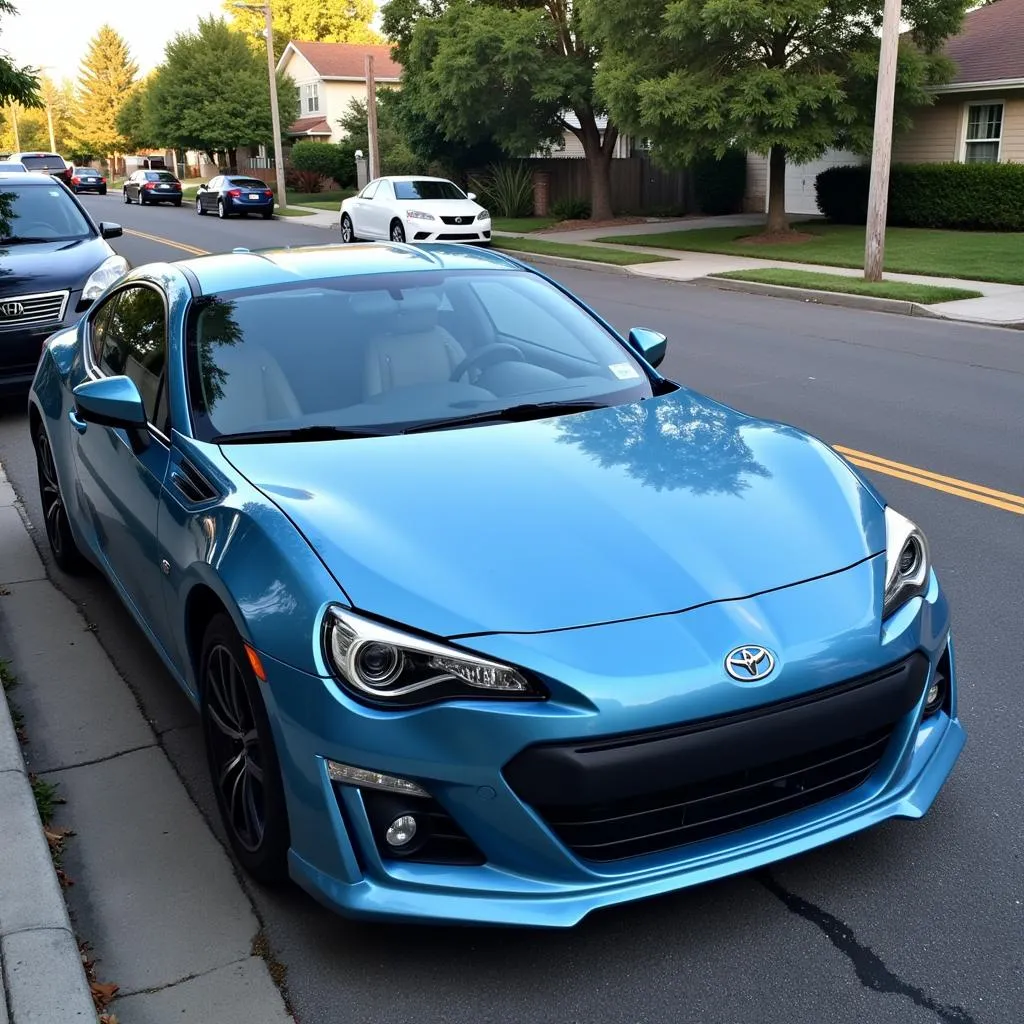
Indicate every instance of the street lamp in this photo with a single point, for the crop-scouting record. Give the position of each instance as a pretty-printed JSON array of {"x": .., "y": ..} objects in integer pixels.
[{"x": 275, "y": 114}]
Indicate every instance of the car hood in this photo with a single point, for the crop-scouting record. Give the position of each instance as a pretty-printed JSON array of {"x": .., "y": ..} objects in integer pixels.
[
  {"x": 49, "y": 266},
  {"x": 613, "y": 514}
]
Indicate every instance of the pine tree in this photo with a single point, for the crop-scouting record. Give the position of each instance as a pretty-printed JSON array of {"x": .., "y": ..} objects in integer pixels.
[{"x": 106, "y": 78}]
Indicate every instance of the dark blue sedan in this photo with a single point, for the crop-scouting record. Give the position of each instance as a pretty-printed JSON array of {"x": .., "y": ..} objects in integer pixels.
[{"x": 234, "y": 193}]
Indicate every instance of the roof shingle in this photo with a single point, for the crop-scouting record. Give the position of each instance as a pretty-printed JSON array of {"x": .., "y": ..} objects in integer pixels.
[
  {"x": 990, "y": 46},
  {"x": 309, "y": 126},
  {"x": 348, "y": 60}
]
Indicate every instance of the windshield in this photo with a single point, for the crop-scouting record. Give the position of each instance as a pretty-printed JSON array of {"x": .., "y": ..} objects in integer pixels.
[
  {"x": 427, "y": 190},
  {"x": 40, "y": 213},
  {"x": 43, "y": 163},
  {"x": 398, "y": 352}
]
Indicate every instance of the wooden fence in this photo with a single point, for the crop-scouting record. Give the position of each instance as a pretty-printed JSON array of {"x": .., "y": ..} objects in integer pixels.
[{"x": 637, "y": 185}]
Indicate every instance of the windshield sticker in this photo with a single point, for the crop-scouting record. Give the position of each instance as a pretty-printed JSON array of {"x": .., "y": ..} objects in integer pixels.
[
  {"x": 53, "y": 192},
  {"x": 623, "y": 371}
]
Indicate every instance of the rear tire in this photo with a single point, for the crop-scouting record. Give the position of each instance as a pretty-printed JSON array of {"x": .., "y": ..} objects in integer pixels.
[
  {"x": 199, "y": 207},
  {"x": 241, "y": 755},
  {"x": 142, "y": 198},
  {"x": 222, "y": 210},
  {"x": 267, "y": 214},
  {"x": 103, "y": 190},
  {"x": 127, "y": 198},
  {"x": 63, "y": 547},
  {"x": 177, "y": 202}
]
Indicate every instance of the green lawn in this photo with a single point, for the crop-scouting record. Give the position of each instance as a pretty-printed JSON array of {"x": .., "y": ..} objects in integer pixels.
[
  {"x": 522, "y": 225},
  {"x": 289, "y": 212},
  {"x": 974, "y": 255},
  {"x": 320, "y": 200},
  {"x": 618, "y": 257},
  {"x": 905, "y": 290}
]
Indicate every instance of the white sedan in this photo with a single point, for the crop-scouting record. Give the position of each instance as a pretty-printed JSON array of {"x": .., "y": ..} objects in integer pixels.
[{"x": 414, "y": 208}]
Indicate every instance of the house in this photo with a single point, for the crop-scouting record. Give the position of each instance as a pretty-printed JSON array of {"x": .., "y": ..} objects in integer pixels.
[
  {"x": 977, "y": 117},
  {"x": 329, "y": 76},
  {"x": 570, "y": 147}
]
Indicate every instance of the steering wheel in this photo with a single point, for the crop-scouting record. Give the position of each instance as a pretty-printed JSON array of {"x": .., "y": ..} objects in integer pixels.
[{"x": 496, "y": 352}]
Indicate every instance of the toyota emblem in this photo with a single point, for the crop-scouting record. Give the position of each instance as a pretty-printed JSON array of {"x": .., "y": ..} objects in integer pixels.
[
  {"x": 749, "y": 664},
  {"x": 11, "y": 310}
]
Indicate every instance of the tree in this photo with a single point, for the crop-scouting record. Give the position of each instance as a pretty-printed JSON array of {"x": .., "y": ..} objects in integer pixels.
[
  {"x": 106, "y": 78},
  {"x": 317, "y": 21},
  {"x": 506, "y": 70},
  {"x": 785, "y": 78},
  {"x": 211, "y": 93},
  {"x": 135, "y": 118},
  {"x": 17, "y": 84},
  {"x": 395, "y": 155}
]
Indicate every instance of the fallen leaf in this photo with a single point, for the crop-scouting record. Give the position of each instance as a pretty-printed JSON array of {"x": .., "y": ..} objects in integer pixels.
[
  {"x": 109, "y": 1018},
  {"x": 103, "y": 993}
]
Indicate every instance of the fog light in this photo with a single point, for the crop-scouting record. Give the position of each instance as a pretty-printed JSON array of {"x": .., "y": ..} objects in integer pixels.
[
  {"x": 933, "y": 697},
  {"x": 401, "y": 831}
]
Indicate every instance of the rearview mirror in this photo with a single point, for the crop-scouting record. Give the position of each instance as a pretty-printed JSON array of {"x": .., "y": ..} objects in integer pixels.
[
  {"x": 471, "y": 195},
  {"x": 649, "y": 344},
  {"x": 111, "y": 402},
  {"x": 111, "y": 230}
]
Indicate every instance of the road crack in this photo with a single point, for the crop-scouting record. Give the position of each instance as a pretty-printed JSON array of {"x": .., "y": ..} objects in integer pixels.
[{"x": 871, "y": 971}]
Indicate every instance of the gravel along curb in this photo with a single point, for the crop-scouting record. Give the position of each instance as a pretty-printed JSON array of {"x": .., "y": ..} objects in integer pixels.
[{"x": 43, "y": 978}]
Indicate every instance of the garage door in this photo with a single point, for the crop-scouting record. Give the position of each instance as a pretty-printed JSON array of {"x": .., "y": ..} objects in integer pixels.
[{"x": 801, "y": 197}]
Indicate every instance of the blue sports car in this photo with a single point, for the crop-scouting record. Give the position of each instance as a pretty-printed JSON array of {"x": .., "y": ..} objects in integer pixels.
[{"x": 485, "y": 618}]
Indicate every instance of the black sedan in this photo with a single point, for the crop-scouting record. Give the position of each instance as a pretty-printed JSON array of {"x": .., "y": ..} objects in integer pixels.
[
  {"x": 54, "y": 263},
  {"x": 235, "y": 193},
  {"x": 88, "y": 179},
  {"x": 145, "y": 187}
]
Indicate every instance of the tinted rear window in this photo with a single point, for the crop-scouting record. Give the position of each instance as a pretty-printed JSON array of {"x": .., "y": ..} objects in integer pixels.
[
  {"x": 160, "y": 176},
  {"x": 253, "y": 183},
  {"x": 43, "y": 163}
]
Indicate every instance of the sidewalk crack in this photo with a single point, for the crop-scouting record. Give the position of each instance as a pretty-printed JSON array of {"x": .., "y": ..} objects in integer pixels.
[
  {"x": 871, "y": 971},
  {"x": 128, "y": 993},
  {"x": 99, "y": 760}
]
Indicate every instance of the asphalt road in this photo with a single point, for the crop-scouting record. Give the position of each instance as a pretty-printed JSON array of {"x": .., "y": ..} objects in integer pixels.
[{"x": 911, "y": 922}]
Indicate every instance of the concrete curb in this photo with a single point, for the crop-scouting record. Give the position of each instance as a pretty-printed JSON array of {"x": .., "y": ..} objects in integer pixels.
[
  {"x": 41, "y": 966},
  {"x": 564, "y": 261}
]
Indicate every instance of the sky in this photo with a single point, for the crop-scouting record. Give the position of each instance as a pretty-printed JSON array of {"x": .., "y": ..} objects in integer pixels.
[{"x": 52, "y": 35}]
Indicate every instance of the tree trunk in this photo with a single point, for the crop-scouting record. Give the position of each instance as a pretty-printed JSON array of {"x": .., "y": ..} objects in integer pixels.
[
  {"x": 598, "y": 156},
  {"x": 777, "y": 221}
]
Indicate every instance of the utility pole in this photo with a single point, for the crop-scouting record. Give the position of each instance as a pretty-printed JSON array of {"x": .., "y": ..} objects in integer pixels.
[
  {"x": 275, "y": 114},
  {"x": 371, "y": 118},
  {"x": 14, "y": 128},
  {"x": 881, "y": 152},
  {"x": 48, "y": 91}
]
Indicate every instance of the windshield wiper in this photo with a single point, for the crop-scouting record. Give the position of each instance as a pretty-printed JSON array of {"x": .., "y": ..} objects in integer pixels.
[
  {"x": 320, "y": 432},
  {"x": 28, "y": 239},
  {"x": 513, "y": 414}
]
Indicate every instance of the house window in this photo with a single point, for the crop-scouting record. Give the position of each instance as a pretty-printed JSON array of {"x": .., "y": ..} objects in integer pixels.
[
  {"x": 984, "y": 133},
  {"x": 311, "y": 98}
]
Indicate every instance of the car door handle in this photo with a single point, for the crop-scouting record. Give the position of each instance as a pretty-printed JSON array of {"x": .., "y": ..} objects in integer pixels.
[{"x": 79, "y": 424}]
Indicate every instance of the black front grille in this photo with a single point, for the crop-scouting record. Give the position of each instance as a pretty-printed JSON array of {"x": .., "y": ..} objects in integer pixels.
[
  {"x": 706, "y": 810},
  {"x": 468, "y": 219},
  {"x": 32, "y": 311},
  {"x": 452, "y": 237}
]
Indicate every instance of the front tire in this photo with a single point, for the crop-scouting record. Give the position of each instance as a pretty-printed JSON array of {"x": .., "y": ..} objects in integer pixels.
[
  {"x": 62, "y": 542},
  {"x": 397, "y": 231},
  {"x": 241, "y": 755},
  {"x": 348, "y": 233}
]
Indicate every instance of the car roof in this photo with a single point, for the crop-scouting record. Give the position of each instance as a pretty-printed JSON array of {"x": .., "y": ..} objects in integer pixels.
[
  {"x": 272, "y": 267},
  {"x": 29, "y": 177},
  {"x": 414, "y": 177}
]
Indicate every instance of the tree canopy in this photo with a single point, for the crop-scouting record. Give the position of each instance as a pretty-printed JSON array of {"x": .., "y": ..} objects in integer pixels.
[
  {"x": 503, "y": 70},
  {"x": 211, "y": 94},
  {"x": 786, "y": 78},
  {"x": 17, "y": 84},
  {"x": 106, "y": 78},
  {"x": 318, "y": 21}
]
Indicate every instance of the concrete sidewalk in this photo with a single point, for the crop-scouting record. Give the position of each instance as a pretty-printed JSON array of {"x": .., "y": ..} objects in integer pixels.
[{"x": 155, "y": 895}]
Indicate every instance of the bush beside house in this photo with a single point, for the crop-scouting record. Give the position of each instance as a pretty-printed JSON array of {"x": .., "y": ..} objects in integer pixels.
[{"x": 965, "y": 197}]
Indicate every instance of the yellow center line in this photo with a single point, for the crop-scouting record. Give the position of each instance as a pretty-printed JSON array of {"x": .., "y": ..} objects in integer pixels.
[
  {"x": 900, "y": 470},
  {"x": 167, "y": 241}
]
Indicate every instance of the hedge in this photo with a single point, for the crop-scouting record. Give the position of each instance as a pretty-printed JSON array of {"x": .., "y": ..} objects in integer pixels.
[
  {"x": 720, "y": 184},
  {"x": 965, "y": 197},
  {"x": 324, "y": 158}
]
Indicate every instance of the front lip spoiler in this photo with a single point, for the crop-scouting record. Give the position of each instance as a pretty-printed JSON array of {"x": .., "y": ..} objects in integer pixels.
[{"x": 655, "y": 615}]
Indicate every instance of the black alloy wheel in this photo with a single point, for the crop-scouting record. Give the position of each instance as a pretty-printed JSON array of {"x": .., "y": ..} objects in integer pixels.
[
  {"x": 55, "y": 517},
  {"x": 397, "y": 232},
  {"x": 241, "y": 755}
]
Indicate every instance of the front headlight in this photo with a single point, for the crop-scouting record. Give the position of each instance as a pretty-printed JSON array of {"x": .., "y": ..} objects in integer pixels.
[
  {"x": 906, "y": 562},
  {"x": 418, "y": 215},
  {"x": 483, "y": 215},
  {"x": 112, "y": 268},
  {"x": 386, "y": 666}
]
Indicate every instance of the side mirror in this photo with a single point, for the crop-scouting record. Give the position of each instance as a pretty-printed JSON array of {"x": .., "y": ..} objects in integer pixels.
[
  {"x": 471, "y": 195},
  {"x": 111, "y": 402},
  {"x": 111, "y": 230},
  {"x": 650, "y": 344}
]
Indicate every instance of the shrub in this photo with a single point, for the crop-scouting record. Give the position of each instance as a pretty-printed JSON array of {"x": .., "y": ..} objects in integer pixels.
[
  {"x": 571, "y": 209},
  {"x": 306, "y": 181},
  {"x": 720, "y": 184},
  {"x": 506, "y": 189},
  {"x": 965, "y": 197},
  {"x": 324, "y": 158}
]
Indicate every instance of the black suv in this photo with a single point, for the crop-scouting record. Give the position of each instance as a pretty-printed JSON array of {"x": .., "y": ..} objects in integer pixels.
[
  {"x": 44, "y": 163},
  {"x": 54, "y": 263}
]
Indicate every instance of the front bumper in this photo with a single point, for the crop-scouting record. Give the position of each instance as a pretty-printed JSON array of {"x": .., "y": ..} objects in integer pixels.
[
  {"x": 21, "y": 348},
  {"x": 528, "y": 872},
  {"x": 473, "y": 233}
]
